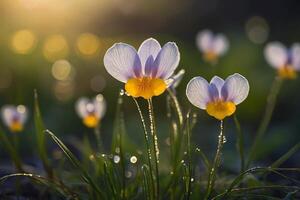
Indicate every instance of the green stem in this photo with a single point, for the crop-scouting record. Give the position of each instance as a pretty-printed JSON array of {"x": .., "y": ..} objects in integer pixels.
[
  {"x": 177, "y": 106},
  {"x": 155, "y": 144},
  {"x": 12, "y": 151},
  {"x": 213, "y": 170},
  {"x": 240, "y": 142},
  {"x": 146, "y": 137},
  {"x": 189, "y": 157},
  {"x": 271, "y": 101}
]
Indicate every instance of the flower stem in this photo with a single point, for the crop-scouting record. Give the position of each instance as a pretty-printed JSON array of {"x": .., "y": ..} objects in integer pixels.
[
  {"x": 271, "y": 101},
  {"x": 155, "y": 144},
  {"x": 188, "y": 194},
  {"x": 146, "y": 136},
  {"x": 213, "y": 170}
]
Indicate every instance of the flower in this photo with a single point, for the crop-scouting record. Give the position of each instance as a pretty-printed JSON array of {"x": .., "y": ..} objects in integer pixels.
[
  {"x": 219, "y": 98},
  {"x": 212, "y": 46},
  {"x": 14, "y": 117},
  {"x": 286, "y": 61},
  {"x": 145, "y": 72},
  {"x": 91, "y": 111}
]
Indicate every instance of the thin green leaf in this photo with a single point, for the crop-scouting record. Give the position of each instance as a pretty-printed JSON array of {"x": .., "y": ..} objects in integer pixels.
[
  {"x": 76, "y": 163},
  {"x": 59, "y": 187},
  {"x": 11, "y": 150},
  {"x": 40, "y": 136}
]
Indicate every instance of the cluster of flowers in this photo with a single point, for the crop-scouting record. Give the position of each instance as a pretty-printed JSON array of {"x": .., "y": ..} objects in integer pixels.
[{"x": 149, "y": 71}]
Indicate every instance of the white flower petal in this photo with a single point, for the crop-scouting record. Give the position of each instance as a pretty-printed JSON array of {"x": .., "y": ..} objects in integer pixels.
[
  {"x": 81, "y": 105},
  {"x": 276, "y": 54},
  {"x": 122, "y": 62},
  {"x": 204, "y": 40},
  {"x": 100, "y": 106},
  {"x": 235, "y": 89},
  {"x": 149, "y": 47},
  {"x": 218, "y": 82},
  {"x": 220, "y": 44},
  {"x": 166, "y": 61},
  {"x": 7, "y": 113},
  {"x": 197, "y": 92},
  {"x": 295, "y": 51}
]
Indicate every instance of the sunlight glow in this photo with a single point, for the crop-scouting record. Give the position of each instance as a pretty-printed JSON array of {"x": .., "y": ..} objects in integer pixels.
[
  {"x": 55, "y": 47},
  {"x": 23, "y": 41},
  {"x": 62, "y": 70},
  {"x": 87, "y": 44}
]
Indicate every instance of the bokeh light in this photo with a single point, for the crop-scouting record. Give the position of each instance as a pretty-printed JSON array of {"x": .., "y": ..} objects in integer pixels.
[
  {"x": 64, "y": 90},
  {"x": 87, "y": 44},
  {"x": 55, "y": 47},
  {"x": 21, "y": 108},
  {"x": 257, "y": 29},
  {"x": 62, "y": 70},
  {"x": 23, "y": 41}
]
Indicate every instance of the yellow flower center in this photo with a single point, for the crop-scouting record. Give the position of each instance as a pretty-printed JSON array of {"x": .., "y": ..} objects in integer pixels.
[
  {"x": 91, "y": 121},
  {"x": 210, "y": 56},
  {"x": 220, "y": 109},
  {"x": 287, "y": 72},
  {"x": 145, "y": 87},
  {"x": 16, "y": 126}
]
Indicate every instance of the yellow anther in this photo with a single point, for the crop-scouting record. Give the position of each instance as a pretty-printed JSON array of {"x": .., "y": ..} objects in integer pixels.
[
  {"x": 210, "y": 56},
  {"x": 287, "y": 72},
  {"x": 16, "y": 126},
  {"x": 145, "y": 87},
  {"x": 91, "y": 121},
  {"x": 220, "y": 109}
]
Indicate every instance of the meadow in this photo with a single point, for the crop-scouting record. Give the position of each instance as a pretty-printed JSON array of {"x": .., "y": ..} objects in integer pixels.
[{"x": 146, "y": 113}]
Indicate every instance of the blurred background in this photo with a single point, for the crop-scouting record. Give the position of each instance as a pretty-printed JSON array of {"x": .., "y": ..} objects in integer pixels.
[{"x": 57, "y": 47}]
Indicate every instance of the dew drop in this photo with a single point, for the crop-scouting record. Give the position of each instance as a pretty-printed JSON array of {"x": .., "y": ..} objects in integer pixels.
[
  {"x": 133, "y": 159},
  {"x": 122, "y": 92},
  {"x": 128, "y": 174},
  {"x": 116, "y": 159}
]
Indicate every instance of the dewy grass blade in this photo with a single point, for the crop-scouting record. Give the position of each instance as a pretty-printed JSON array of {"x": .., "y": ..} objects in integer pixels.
[
  {"x": 240, "y": 177},
  {"x": 147, "y": 140},
  {"x": 118, "y": 143},
  {"x": 213, "y": 170},
  {"x": 146, "y": 185},
  {"x": 271, "y": 101},
  {"x": 76, "y": 163},
  {"x": 240, "y": 142},
  {"x": 155, "y": 145},
  {"x": 41, "y": 143},
  {"x": 188, "y": 135},
  {"x": 62, "y": 189},
  {"x": 177, "y": 106},
  {"x": 11, "y": 150}
]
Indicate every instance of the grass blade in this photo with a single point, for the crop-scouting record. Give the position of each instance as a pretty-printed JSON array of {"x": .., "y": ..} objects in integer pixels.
[
  {"x": 286, "y": 156},
  {"x": 62, "y": 189},
  {"x": 76, "y": 163},
  {"x": 40, "y": 136},
  {"x": 11, "y": 150}
]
